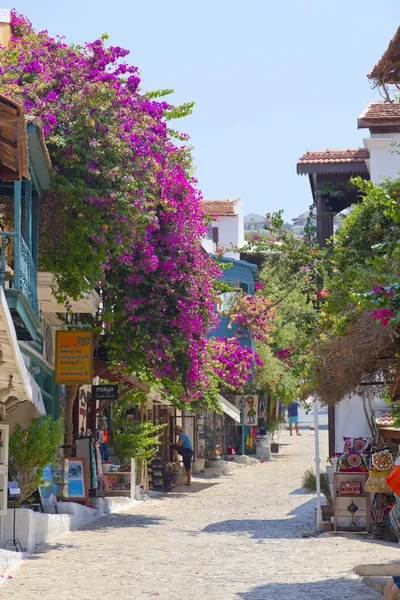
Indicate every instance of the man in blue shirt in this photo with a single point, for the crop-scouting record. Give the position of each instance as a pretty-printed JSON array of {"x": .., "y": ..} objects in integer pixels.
[
  {"x": 293, "y": 414},
  {"x": 184, "y": 448}
]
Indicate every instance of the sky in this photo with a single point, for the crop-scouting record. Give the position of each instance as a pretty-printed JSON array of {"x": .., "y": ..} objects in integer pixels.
[{"x": 270, "y": 79}]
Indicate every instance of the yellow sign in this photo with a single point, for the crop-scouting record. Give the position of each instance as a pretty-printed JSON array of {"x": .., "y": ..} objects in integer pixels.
[{"x": 74, "y": 357}]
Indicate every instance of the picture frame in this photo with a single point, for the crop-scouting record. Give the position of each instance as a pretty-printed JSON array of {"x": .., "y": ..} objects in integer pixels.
[
  {"x": 78, "y": 490},
  {"x": 46, "y": 489}
]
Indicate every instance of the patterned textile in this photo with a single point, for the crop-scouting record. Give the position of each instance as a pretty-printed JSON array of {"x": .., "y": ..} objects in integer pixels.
[{"x": 395, "y": 517}]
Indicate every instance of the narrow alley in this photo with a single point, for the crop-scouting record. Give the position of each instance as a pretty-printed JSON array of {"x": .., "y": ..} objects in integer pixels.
[{"x": 231, "y": 538}]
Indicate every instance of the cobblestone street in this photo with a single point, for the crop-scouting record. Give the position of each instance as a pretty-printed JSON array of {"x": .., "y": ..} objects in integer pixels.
[{"x": 234, "y": 538}]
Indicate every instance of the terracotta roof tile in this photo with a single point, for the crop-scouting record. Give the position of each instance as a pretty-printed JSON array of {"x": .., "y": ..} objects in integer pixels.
[
  {"x": 380, "y": 113},
  {"x": 350, "y": 155},
  {"x": 388, "y": 68},
  {"x": 220, "y": 208}
]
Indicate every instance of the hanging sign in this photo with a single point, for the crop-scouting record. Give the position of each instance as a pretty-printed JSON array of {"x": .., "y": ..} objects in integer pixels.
[
  {"x": 74, "y": 357},
  {"x": 105, "y": 392}
]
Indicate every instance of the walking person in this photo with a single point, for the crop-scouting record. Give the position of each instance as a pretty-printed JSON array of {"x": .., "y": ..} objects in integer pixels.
[
  {"x": 293, "y": 414},
  {"x": 184, "y": 448}
]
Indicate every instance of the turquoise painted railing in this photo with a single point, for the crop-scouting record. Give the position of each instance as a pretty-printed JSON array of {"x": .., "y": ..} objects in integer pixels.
[{"x": 25, "y": 274}]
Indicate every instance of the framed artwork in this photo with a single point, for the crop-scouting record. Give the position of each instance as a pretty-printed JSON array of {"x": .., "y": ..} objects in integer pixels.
[
  {"x": 46, "y": 489},
  {"x": 251, "y": 410},
  {"x": 78, "y": 490}
]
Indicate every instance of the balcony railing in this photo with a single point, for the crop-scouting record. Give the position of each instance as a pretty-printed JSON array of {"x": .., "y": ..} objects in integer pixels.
[{"x": 23, "y": 277}]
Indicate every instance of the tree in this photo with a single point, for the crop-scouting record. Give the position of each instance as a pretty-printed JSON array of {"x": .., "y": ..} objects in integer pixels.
[
  {"x": 31, "y": 450},
  {"x": 123, "y": 214}
]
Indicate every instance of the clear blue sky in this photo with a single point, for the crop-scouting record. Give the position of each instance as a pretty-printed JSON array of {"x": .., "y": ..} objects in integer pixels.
[{"x": 270, "y": 78}]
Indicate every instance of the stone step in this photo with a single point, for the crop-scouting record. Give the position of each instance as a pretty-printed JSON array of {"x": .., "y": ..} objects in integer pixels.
[
  {"x": 376, "y": 570},
  {"x": 376, "y": 583}
]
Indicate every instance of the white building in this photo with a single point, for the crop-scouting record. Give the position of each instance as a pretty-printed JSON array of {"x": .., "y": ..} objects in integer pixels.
[{"x": 227, "y": 227}]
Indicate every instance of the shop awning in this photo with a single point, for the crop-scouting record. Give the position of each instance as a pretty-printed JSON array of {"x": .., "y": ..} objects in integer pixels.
[
  {"x": 156, "y": 398},
  {"x": 17, "y": 386},
  {"x": 229, "y": 409}
]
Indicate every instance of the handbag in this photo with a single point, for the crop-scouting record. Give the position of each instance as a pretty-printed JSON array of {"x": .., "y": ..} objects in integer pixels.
[
  {"x": 382, "y": 460},
  {"x": 376, "y": 483}
]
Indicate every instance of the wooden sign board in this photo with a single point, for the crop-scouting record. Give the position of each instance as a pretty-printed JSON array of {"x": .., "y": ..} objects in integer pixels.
[
  {"x": 105, "y": 392},
  {"x": 74, "y": 357}
]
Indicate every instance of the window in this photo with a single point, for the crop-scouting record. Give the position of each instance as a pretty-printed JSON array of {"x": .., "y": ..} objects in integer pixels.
[{"x": 215, "y": 235}]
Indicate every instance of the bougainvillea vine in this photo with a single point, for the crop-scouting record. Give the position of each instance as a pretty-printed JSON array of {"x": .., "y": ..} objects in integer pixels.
[{"x": 124, "y": 214}]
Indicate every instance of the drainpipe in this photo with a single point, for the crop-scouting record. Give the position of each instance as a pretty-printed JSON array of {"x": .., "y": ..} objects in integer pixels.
[
  {"x": 317, "y": 467},
  {"x": 5, "y": 27}
]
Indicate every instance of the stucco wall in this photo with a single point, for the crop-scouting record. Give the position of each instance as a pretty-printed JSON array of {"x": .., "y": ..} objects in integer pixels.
[
  {"x": 350, "y": 419},
  {"x": 384, "y": 151}
]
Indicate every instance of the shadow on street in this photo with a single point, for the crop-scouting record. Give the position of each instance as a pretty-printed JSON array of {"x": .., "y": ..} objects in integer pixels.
[{"x": 318, "y": 589}]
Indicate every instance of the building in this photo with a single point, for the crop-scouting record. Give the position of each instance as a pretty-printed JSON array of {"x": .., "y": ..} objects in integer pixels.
[
  {"x": 214, "y": 433},
  {"x": 254, "y": 222},
  {"x": 332, "y": 170},
  {"x": 227, "y": 227},
  {"x": 24, "y": 177}
]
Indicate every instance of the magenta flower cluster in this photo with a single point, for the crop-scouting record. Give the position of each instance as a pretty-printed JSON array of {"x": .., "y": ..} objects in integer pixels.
[
  {"x": 383, "y": 315},
  {"x": 121, "y": 170},
  {"x": 254, "y": 314},
  {"x": 232, "y": 363},
  {"x": 285, "y": 354}
]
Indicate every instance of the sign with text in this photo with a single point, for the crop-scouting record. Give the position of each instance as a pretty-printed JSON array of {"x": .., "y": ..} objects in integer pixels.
[
  {"x": 105, "y": 392},
  {"x": 74, "y": 357}
]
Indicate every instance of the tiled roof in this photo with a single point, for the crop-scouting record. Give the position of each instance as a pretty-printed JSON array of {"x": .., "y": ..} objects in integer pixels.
[
  {"x": 350, "y": 155},
  {"x": 388, "y": 69},
  {"x": 220, "y": 208},
  {"x": 380, "y": 113}
]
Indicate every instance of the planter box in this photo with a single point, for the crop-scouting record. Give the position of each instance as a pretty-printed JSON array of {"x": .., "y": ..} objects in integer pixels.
[
  {"x": 33, "y": 528},
  {"x": 274, "y": 448},
  {"x": 327, "y": 512}
]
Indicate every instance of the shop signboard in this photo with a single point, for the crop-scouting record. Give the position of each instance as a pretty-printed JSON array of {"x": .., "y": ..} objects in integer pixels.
[
  {"x": 105, "y": 393},
  {"x": 74, "y": 357}
]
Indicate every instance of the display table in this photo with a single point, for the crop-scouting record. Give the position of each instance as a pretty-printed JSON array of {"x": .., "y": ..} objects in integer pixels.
[
  {"x": 343, "y": 518},
  {"x": 121, "y": 483}
]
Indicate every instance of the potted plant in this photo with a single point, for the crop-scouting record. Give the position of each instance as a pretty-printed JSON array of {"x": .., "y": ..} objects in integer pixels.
[
  {"x": 273, "y": 428},
  {"x": 309, "y": 483},
  {"x": 31, "y": 450}
]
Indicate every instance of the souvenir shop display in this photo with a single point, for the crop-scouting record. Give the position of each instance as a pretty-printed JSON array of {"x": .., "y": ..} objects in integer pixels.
[
  {"x": 346, "y": 516},
  {"x": 155, "y": 475},
  {"x": 60, "y": 477},
  {"x": 120, "y": 480},
  {"x": 367, "y": 474},
  {"x": 78, "y": 490},
  {"x": 380, "y": 465}
]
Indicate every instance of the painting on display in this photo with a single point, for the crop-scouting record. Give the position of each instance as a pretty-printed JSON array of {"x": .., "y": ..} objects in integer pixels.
[
  {"x": 77, "y": 480},
  {"x": 46, "y": 489},
  {"x": 251, "y": 411}
]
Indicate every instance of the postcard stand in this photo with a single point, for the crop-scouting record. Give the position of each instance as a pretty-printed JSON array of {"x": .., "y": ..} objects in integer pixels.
[{"x": 14, "y": 543}]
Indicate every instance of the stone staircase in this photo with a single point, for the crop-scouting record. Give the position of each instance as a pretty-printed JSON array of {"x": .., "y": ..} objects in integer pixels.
[{"x": 376, "y": 576}]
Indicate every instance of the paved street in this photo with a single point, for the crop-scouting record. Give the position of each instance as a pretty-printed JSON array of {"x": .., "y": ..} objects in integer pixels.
[{"x": 235, "y": 538}]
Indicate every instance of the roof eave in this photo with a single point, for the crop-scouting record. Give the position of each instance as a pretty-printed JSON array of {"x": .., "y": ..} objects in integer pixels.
[
  {"x": 332, "y": 168},
  {"x": 38, "y": 159}
]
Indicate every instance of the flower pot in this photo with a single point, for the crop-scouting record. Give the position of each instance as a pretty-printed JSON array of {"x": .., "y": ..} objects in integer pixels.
[
  {"x": 327, "y": 512},
  {"x": 274, "y": 448}
]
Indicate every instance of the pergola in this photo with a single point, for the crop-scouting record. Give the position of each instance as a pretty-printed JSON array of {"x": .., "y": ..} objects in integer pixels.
[{"x": 327, "y": 168}]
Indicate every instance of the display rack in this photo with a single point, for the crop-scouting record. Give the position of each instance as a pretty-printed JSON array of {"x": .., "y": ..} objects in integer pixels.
[
  {"x": 126, "y": 478},
  {"x": 342, "y": 516},
  {"x": 155, "y": 474}
]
